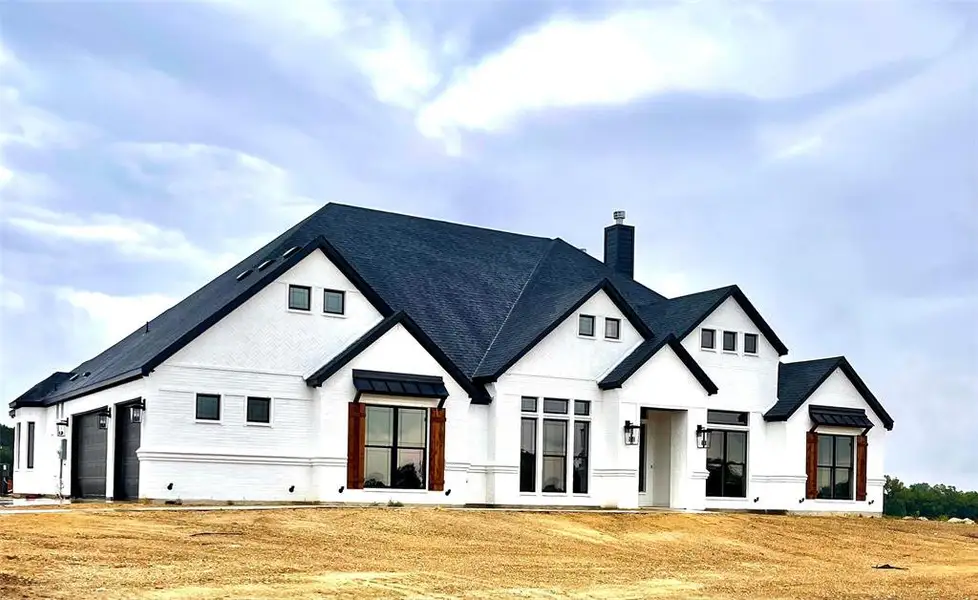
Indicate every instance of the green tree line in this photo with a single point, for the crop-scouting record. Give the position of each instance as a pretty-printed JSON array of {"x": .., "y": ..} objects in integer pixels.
[
  {"x": 7, "y": 447},
  {"x": 925, "y": 500}
]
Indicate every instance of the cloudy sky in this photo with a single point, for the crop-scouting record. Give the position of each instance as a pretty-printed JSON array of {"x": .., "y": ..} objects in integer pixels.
[{"x": 823, "y": 155}]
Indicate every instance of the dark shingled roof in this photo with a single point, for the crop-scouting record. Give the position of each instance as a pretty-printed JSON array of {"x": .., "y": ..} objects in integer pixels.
[
  {"x": 481, "y": 297},
  {"x": 646, "y": 350},
  {"x": 798, "y": 381}
]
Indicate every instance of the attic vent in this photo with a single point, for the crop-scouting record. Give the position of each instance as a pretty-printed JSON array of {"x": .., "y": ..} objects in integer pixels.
[
  {"x": 86, "y": 373},
  {"x": 244, "y": 274},
  {"x": 265, "y": 264},
  {"x": 73, "y": 377},
  {"x": 291, "y": 251}
]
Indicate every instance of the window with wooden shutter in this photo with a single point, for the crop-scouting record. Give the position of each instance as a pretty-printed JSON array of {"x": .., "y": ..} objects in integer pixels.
[
  {"x": 355, "y": 445},
  {"x": 436, "y": 459},
  {"x": 861, "y": 445},
  {"x": 811, "y": 465}
]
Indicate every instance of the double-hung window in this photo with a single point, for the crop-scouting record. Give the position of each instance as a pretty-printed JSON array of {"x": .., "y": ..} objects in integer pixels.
[
  {"x": 550, "y": 433},
  {"x": 726, "y": 458},
  {"x": 30, "y": 444},
  {"x": 396, "y": 447},
  {"x": 835, "y": 466}
]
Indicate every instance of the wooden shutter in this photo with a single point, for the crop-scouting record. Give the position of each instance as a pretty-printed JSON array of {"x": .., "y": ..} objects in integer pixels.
[
  {"x": 355, "y": 445},
  {"x": 861, "y": 445},
  {"x": 811, "y": 465},
  {"x": 436, "y": 453}
]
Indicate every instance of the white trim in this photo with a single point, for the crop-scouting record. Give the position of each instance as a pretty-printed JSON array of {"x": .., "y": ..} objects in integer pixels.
[
  {"x": 230, "y": 370},
  {"x": 242, "y": 459},
  {"x": 704, "y": 475},
  {"x": 614, "y": 473},
  {"x": 779, "y": 478},
  {"x": 405, "y": 402}
]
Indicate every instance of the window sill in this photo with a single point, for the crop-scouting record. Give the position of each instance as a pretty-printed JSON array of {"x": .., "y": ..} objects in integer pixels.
[
  {"x": 713, "y": 350},
  {"x": 751, "y": 354},
  {"x": 249, "y": 424},
  {"x": 334, "y": 315},
  {"x": 298, "y": 311},
  {"x": 726, "y": 498},
  {"x": 733, "y": 352},
  {"x": 837, "y": 501},
  {"x": 374, "y": 490},
  {"x": 208, "y": 421},
  {"x": 616, "y": 340},
  {"x": 587, "y": 337}
]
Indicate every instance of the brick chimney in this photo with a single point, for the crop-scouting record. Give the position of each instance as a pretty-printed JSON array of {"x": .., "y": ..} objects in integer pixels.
[{"x": 619, "y": 246}]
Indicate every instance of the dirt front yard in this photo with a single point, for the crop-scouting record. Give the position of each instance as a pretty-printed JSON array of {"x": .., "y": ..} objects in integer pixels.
[{"x": 435, "y": 553}]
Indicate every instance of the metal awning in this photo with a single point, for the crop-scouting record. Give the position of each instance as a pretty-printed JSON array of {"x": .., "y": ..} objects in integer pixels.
[
  {"x": 839, "y": 417},
  {"x": 399, "y": 384}
]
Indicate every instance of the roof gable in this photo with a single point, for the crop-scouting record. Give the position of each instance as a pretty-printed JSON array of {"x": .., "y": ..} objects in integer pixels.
[{"x": 644, "y": 352}]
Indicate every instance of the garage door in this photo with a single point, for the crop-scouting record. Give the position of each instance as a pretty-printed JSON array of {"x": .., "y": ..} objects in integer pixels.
[
  {"x": 127, "y": 465},
  {"x": 88, "y": 457}
]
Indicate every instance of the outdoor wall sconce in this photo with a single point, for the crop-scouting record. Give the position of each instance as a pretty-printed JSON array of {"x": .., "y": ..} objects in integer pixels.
[
  {"x": 62, "y": 427},
  {"x": 631, "y": 433},
  {"x": 702, "y": 437},
  {"x": 136, "y": 412},
  {"x": 103, "y": 417}
]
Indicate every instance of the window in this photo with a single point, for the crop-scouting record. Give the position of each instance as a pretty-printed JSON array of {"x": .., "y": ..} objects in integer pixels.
[
  {"x": 547, "y": 439},
  {"x": 612, "y": 329},
  {"x": 726, "y": 417},
  {"x": 258, "y": 410},
  {"x": 585, "y": 325},
  {"x": 300, "y": 297},
  {"x": 641, "y": 459},
  {"x": 395, "y": 447},
  {"x": 729, "y": 341},
  {"x": 17, "y": 442},
  {"x": 208, "y": 407},
  {"x": 334, "y": 302},
  {"x": 726, "y": 461},
  {"x": 835, "y": 467},
  {"x": 30, "y": 444},
  {"x": 750, "y": 343},
  {"x": 708, "y": 339}
]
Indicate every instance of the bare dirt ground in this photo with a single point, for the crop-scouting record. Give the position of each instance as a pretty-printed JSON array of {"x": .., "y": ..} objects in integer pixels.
[{"x": 433, "y": 553}]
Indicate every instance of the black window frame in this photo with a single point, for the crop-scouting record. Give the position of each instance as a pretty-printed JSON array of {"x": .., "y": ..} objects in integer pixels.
[
  {"x": 725, "y": 462},
  {"x": 574, "y": 416},
  {"x": 562, "y": 455},
  {"x": 31, "y": 430},
  {"x": 728, "y": 417},
  {"x": 642, "y": 450},
  {"x": 308, "y": 290},
  {"x": 582, "y": 408},
  {"x": 834, "y": 467},
  {"x": 528, "y": 454},
  {"x": 750, "y": 337},
  {"x": 713, "y": 338},
  {"x": 18, "y": 435},
  {"x": 581, "y": 319},
  {"x": 556, "y": 406},
  {"x": 724, "y": 341},
  {"x": 396, "y": 445},
  {"x": 341, "y": 294},
  {"x": 268, "y": 410},
  {"x": 201, "y": 396},
  {"x": 581, "y": 447},
  {"x": 617, "y": 322}
]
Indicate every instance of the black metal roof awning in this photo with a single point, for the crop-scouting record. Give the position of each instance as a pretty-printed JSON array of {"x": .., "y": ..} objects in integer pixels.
[
  {"x": 839, "y": 417},
  {"x": 399, "y": 384}
]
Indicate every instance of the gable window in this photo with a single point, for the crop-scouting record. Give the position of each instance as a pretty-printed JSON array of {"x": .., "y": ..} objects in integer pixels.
[
  {"x": 30, "y": 444},
  {"x": 334, "y": 302},
  {"x": 726, "y": 458},
  {"x": 612, "y": 329},
  {"x": 258, "y": 410},
  {"x": 547, "y": 439},
  {"x": 750, "y": 343},
  {"x": 585, "y": 325},
  {"x": 396, "y": 441},
  {"x": 208, "y": 407},
  {"x": 729, "y": 341},
  {"x": 835, "y": 467},
  {"x": 708, "y": 339},
  {"x": 300, "y": 297}
]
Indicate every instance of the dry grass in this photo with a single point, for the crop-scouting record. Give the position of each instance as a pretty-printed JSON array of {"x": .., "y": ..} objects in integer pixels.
[{"x": 431, "y": 553}]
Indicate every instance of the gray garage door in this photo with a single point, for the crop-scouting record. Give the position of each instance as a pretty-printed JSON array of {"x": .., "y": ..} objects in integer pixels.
[
  {"x": 127, "y": 465},
  {"x": 88, "y": 457}
]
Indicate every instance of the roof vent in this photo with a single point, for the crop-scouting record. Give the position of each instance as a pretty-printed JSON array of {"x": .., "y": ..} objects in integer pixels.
[
  {"x": 73, "y": 377},
  {"x": 86, "y": 373},
  {"x": 265, "y": 264},
  {"x": 291, "y": 251},
  {"x": 244, "y": 274}
]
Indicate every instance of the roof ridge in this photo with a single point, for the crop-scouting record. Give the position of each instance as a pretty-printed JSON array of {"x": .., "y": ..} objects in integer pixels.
[
  {"x": 439, "y": 221},
  {"x": 722, "y": 288},
  {"x": 811, "y": 360},
  {"x": 509, "y": 313}
]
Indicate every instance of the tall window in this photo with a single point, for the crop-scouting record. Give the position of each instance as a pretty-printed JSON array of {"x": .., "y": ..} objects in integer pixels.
[
  {"x": 17, "y": 442},
  {"x": 560, "y": 434},
  {"x": 835, "y": 467},
  {"x": 395, "y": 447},
  {"x": 726, "y": 458},
  {"x": 30, "y": 444}
]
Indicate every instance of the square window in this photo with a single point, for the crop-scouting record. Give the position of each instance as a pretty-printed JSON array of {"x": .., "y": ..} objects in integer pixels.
[
  {"x": 612, "y": 329},
  {"x": 750, "y": 343},
  {"x": 300, "y": 297},
  {"x": 582, "y": 408},
  {"x": 555, "y": 406},
  {"x": 259, "y": 410},
  {"x": 585, "y": 325},
  {"x": 334, "y": 302},
  {"x": 208, "y": 407},
  {"x": 729, "y": 341},
  {"x": 529, "y": 405},
  {"x": 708, "y": 339}
]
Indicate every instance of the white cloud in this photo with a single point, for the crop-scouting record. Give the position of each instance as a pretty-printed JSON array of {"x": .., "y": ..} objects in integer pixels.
[
  {"x": 10, "y": 300},
  {"x": 116, "y": 316}
]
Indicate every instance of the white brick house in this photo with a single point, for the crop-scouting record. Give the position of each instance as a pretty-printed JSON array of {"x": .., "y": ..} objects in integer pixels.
[{"x": 365, "y": 356}]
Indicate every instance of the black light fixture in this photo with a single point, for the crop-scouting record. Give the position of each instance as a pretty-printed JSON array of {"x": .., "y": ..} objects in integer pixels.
[
  {"x": 631, "y": 433},
  {"x": 136, "y": 412},
  {"x": 103, "y": 417},
  {"x": 702, "y": 437},
  {"x": 62, "y": 427}
]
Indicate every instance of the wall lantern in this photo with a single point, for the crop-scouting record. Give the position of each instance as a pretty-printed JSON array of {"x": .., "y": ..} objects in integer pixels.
[
  {"x": 702, "y": 437},
  {"x": 62, "y": 427},
  {"x": 631, "y": 433},
  {"x": 103, "y": 417},
  {"x": 136, "y": 412}
]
